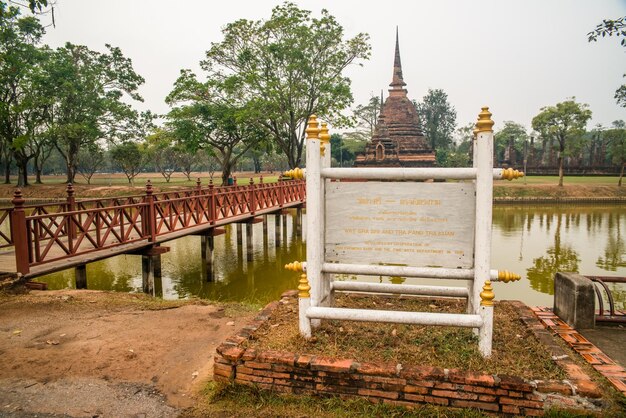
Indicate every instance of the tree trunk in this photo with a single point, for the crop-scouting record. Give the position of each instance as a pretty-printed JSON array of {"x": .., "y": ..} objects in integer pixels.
[
  {"x": 621, "y": 174},
  {"x": 560, "y": 163},
  {"x": 7, "y": 173},
  {"x": 22, "y": 173},
  {"x": 38, "y": 175}
]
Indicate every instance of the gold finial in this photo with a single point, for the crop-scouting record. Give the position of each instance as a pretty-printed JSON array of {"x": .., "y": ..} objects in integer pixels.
[
  {"x": 295, "y": 266},
  {"x": 303, "y": 287},
  {"x": 510, "y": 174},
  {"x": 312, "y": 130},
  {"x": 324, "y": 138},
  {"x": 507, "y": 276},
  {"x": 296, "y": 173},
  {"x": 487, "y": 295},
  {"x": 484, "y": 124}
]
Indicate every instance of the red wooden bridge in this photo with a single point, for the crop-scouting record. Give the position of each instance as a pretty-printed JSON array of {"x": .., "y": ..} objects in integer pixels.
[{"x": 50, "y": 237}]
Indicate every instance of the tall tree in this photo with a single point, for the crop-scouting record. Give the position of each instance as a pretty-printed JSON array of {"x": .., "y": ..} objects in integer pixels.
[
  {"x": 565, "y": 123},
  {"x": 210, "y": 116},
  {"x": 289, "y": 67},
  {"x": 129, "y": 157},
  {"x": 616, "y": 28},
  {"x": 87, "y": 90},
  {"x": 509, "y": 143},
  {"x": 616, "y": 138},
  {"x": 437, "y": 119},
  {"x": 20, "y": 103}
]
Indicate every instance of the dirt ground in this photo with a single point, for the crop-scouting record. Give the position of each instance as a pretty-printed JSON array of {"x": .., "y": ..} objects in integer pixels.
[{"x": 91, "y": 353}]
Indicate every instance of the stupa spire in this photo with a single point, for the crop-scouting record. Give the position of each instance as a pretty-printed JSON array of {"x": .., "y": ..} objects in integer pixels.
[{"x": 397, "y": 82}]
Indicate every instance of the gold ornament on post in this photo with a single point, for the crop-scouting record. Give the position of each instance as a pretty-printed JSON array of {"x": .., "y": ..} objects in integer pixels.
[
  {"x": 510, "y": 174},
  {"x": 312, "y": 130},
  {"x": 294, "y": 266},
  {"x": 487, "y": 295},
  {"x": 507, "y": 276},
  {"x": 324, "y": 138},
  {"x": 484, "y": 124},
  {"x": 304, "y": 287}
]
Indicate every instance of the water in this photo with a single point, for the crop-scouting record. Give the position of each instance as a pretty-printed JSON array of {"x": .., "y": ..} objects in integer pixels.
[{"x": 534, "y": 241}]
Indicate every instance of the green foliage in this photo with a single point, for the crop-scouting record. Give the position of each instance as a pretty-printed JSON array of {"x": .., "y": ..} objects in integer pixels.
[
  {"x": 615, "y": 28},
  {"x": 87, "y": 91},
  {"x": 129, "y": 157},
  {"x": 437, "y": 119},
  {"x": 211, "y": 116},
  {"x": 287, "y": 68},
  {"x": 514, "y": 134},
  {"x": 617, "y": 146},
  {"x": 564, "y": 123}
]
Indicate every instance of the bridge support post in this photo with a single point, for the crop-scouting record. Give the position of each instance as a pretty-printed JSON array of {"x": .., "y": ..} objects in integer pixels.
[
  {"x": 299, "y": 221},
  {"x": 239, "y": 235},
  {"x": 284, "y": 216},
  {"x": 80, "y": 275},
  {"x": 277, "y": 229},
  {"x": 207, "y": 245},
  {"x": 151, "y": 275},
  {"x": 249, "y": 244}
]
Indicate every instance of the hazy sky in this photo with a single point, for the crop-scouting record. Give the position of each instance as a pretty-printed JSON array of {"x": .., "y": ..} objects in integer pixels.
[{"x": 514, "y": 56}]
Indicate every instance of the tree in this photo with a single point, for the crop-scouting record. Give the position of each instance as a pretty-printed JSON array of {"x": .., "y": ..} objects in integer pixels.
[
  {"x": 610, "y": 27},
  {"x": 509, "y": 143},
  {"x": 86, "y": 89},
  {"x": 21, "y": 107},
  {"x": 90, "y": 160},
  {"x": 161, "y": 151},
  {"x": 209, "y": 116},
  {"x": 129, "y": 157},
  {"x": 437, "y": 119},
  {"x": 564, "y": 123},
  {"x": 366, "y": 116},
  {"x": 287, "y": 67},
  {"x": 616, "y": 138}
]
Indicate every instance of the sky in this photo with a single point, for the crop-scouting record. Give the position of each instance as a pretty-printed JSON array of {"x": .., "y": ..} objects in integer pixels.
[{"x": 513, "y": 56}]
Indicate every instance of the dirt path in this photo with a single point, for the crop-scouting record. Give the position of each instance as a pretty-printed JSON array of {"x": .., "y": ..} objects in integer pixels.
[{"x": 91, "y": 353}]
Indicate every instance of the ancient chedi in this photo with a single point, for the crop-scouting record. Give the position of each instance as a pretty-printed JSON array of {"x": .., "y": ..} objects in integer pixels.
[{"x": 397, "y": 140}]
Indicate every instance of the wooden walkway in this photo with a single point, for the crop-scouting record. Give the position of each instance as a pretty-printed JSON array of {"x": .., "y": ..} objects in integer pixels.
[{"x": 45, "y": 240}]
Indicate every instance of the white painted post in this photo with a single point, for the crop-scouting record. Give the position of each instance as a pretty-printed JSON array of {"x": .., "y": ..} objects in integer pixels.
[
  {"x": 470, "y": 284},
  {"x": 485, "y": 335},
  {"x": 484, "y": 195},
  {"x": 304, "y": 303},
  {"x": 314, "y": 212},
  {"x": 325, "y": 154}
]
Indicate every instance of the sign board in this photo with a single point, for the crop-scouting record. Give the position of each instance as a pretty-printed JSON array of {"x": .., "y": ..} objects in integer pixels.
[{"x": 401, "y": 223}]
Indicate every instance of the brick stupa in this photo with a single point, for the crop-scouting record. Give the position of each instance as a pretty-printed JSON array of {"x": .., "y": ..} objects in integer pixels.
[{"x": 397, "y": 140}]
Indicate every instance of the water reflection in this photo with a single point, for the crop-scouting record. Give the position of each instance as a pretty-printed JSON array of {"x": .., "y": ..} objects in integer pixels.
[{"x": 534, "y": 241}]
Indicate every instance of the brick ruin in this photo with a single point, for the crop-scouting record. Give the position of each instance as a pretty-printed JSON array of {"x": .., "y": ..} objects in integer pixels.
[{"x": 397, "y": 140}]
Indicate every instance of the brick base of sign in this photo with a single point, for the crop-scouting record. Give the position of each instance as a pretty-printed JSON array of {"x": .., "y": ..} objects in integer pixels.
[{"x": 402, "y": 384}]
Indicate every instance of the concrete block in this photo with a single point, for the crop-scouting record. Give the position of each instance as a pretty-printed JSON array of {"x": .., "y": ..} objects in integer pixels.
[{"x": 574, "y": 300}]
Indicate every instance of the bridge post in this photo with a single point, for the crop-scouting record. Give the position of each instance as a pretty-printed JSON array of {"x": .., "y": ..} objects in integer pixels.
[
  {"x": 71, "y": 207},
  {"x": 147, "y": 273},
  {"x": 212, "y": 203},
  {"x": 149, "y": 221},
  {"x": 20, "y": 234},
  {"x": 252, "y": 197},
  {"x": 249, "y": 246},
  {"x": 281, "y": 191},
  {"x": 277, "y": 229},
  {"x": 198, "y": 194},
  {"x": 239, "y": 235},
  {"x": 207, "y": 244},
  {"x": 80, "y": 275}
]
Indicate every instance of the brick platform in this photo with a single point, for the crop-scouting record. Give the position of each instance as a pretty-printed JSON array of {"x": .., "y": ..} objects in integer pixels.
[
  {"x": 612, "y": 371},
  {"x": 404, "y": 384}
]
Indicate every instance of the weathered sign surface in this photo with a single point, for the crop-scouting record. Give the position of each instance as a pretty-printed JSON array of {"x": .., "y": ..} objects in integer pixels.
[{"x": 413, "y": 224}]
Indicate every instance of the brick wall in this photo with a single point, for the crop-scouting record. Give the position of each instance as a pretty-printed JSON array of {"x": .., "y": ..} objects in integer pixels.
[{"x": 402, "y": 384}]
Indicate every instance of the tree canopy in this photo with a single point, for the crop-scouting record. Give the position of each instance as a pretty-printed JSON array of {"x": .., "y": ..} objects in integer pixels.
[
  {"x": 564, "y": 123},
  {"x": 287, "y": 68},
  {"x": 437, "y": 119},
  {"x": 616, "y": 28}
]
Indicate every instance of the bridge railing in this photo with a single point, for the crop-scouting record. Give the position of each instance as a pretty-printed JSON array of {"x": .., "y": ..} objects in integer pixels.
[{"x": 42, "y": 235}]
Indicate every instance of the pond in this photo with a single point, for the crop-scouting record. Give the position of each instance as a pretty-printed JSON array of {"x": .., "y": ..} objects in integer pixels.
[{"x": 533, "y": 241}]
